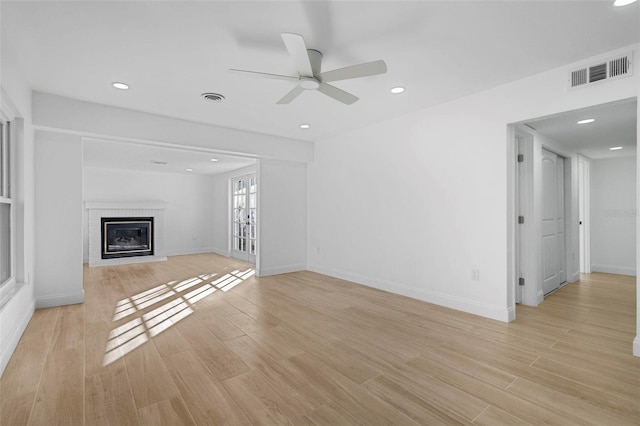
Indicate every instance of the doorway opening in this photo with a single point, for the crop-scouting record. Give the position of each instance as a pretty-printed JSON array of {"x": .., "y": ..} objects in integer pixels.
[{"x": 598, "y": 193}]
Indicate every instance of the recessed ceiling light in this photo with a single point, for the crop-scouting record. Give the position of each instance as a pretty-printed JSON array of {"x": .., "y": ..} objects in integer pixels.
[
  {"x": 615, "y": 148},
  {"x": 397, "y": 89},
  {"x": 623, "y": 2},
  {"x": 587, "y": 121},
  {"x": 121, "y": 86},
  {"x": 189, "y": 170},
  {"x": 213, "y": 159},
  {"x": 305, "y": 126}
]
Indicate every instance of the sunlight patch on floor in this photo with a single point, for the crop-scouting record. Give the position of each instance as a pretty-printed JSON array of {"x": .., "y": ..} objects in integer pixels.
[{"x": 183, "y": 296}]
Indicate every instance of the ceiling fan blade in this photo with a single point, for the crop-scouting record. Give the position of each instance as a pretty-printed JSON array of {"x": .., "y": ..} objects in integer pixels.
[
  {"x": 298, "y": 50},
  {"x": 294, "y": 93},
  {"x": 337, "y": 94},
  {"x": 266, "y": 74},
  {"x": 355, "y": 71}
]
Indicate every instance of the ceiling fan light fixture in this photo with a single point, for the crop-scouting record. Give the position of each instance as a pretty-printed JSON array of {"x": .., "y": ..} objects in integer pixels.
[
  {"x": 620, "y": 3},
  {"x": 308, "y": 83},
  {"x": 397, "y": 90}
]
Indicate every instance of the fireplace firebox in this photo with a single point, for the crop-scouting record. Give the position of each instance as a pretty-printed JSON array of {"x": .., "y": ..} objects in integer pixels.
[{"x": 126, "y": 236}]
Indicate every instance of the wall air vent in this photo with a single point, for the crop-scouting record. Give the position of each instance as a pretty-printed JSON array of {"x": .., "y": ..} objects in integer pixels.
[
  {"x": 619, "y": 66},
  {"x": 579, "y": 77},
  {"x": 597, "y": 72},
  {"x": 610, "y": 69}
]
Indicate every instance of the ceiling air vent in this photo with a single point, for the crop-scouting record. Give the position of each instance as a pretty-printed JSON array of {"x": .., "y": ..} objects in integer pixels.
[
  {"x": 610, "y": 69},
  {"x": 212, "y": 97}
]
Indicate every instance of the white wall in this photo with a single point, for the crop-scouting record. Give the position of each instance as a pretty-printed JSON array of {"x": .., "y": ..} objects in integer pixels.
[
  {"x": 58, "y": 219},
  {"x": 282, "y": 217},
  {"x": 91, "y": 119},
  {"x": 613, "y": 215},
  {"x": 18, "y": 304},
  {"x": 188, "y": 218},
  {"x": 413, "y": 204}
]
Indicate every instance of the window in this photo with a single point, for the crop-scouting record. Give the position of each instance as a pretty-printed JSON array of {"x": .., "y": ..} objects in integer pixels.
[{"x": 6, "y": 204}]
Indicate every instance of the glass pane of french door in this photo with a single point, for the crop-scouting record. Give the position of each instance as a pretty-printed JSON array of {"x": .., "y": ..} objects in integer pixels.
[{"x": 244, "y": 217}]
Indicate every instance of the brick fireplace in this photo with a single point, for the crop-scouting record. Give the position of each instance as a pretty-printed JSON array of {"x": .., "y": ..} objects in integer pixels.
[{"x": 137, "y": 232}]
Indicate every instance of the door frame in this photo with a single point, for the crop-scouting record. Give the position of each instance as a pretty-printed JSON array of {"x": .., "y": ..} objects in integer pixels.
[
  {"x": 523, "y": 245},
  {"x": 584, "y": 212},
  {"x": 524, "y": 232}
]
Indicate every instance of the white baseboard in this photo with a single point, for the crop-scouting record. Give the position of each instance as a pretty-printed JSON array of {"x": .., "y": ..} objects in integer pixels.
[
  {"x": 189, "y": 251},
  {"x": 285, "y": 269},
  {"x": 499, "y": 313},
  {"x": 221, "y": 252},
  {"x": 59, "y": 299},
  {"x": 611, "y": 269},
  {"x": 574, "y": 277},
  {"x": 636, "y": 346},
  {"x": 7, "y": 351}
]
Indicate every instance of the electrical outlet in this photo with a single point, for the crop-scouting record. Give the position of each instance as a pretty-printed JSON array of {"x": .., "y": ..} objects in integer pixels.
[{"x": 475, "y": 274}]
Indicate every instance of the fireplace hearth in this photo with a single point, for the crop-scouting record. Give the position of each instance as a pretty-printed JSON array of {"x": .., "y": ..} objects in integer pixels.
[{"x": 126, "y": 237}]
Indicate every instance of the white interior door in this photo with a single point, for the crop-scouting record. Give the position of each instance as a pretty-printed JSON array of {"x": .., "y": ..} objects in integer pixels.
[
  {"x": 244, "y": 214},
  {"x": 553, "y": 222}
]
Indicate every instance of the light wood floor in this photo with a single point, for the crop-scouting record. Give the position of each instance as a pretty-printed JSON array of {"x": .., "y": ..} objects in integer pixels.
[{"x": 198, "y": 340}]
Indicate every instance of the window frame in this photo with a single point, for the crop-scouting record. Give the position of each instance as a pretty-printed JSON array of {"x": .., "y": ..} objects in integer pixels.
[{"x": 7, "y": 194}]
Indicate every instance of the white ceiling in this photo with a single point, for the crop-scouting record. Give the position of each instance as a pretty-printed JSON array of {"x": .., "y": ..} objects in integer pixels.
[
  {"x": 170, "y": 52},
  {"x": 615, "y": 125}
]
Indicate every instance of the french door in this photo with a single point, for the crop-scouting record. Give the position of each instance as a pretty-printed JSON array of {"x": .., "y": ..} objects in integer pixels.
[{"x": 244, "y": 211}]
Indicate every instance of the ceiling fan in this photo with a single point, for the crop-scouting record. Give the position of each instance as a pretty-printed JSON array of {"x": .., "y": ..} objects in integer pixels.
[{"x": 308, "y": 62}]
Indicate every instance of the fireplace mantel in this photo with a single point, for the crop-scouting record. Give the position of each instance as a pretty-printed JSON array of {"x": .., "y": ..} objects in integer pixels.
[
  {"x": 99, "y": 209},
  {"x": 125, "y": 205}
]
